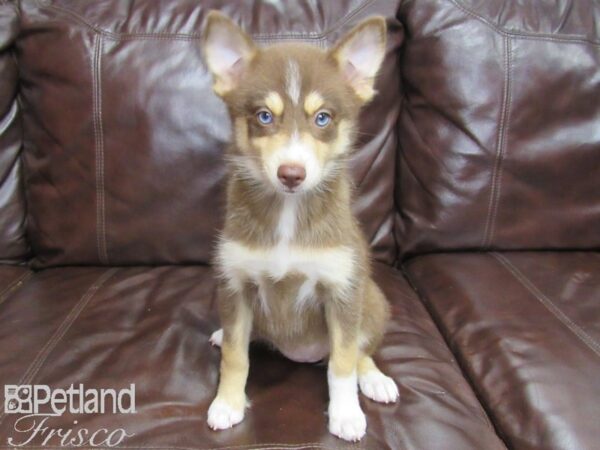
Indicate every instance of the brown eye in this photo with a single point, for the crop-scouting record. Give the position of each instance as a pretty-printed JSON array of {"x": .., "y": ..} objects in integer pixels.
[
  {"x": 264, "y": 117},
  {"x": 322, "y": 119}
]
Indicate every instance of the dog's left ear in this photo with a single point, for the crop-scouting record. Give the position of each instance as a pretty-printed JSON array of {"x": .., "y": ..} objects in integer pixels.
[
  {"x": 228, "y": 51},
  {"x": 359, "y": 55}
]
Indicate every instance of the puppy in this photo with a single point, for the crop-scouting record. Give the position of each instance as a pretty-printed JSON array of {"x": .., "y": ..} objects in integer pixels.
[{"x": 293, "y": 263}]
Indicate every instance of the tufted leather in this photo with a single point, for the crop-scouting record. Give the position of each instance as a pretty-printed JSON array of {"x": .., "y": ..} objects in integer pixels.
[
  {"x": 477, "y": 181},
  {"x": 137, "y": 153},
  {"x": 499, "y": 132},
  {"x": 13, "y": 246}
]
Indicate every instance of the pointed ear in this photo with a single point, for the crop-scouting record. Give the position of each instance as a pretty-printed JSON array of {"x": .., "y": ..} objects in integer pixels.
[
  {"x": 359, "y": 55},
  {"x": 227, "y": 51}
]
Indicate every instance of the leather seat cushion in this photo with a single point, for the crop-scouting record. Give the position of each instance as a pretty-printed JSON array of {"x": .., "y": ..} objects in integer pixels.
[
  {"x": 11, "y": 277},
  {"x": 526, "y": 329},
  {"x": 107, "y": 328}
]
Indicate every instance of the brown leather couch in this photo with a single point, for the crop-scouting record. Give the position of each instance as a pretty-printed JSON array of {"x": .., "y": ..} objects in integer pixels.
[{"x": 477, "y": 183}]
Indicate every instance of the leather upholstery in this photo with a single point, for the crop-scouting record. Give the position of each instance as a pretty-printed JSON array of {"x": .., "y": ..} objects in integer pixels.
[
  {"x": 150, "y": 326},
  {"x": 484, "y": 138},
  {"x": 526, "y": 329},
  {"x": 499, "y": 132},
  {"x": 11, "y": 278},
  {"x": 138, "y": 152},
  {"x": 13, "y": 246}
]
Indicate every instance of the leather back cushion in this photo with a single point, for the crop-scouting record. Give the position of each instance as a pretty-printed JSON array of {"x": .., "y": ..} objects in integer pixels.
[
  {"x": 13, "y": 246},
  {"x": 500, "y": 131},
  {"x": 124, "y": 136}
]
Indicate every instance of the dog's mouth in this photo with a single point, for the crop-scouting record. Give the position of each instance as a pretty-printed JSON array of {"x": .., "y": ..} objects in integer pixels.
[{"x": 291, "y": 191}]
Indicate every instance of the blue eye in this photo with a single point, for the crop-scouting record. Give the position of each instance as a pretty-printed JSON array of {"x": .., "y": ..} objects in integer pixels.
[
  {"x": 322, "y": 119},
  {"x": 264, "y": 117}
]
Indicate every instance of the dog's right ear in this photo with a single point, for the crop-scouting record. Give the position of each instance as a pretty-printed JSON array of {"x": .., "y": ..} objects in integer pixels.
[{"x": 227, "y": 50}]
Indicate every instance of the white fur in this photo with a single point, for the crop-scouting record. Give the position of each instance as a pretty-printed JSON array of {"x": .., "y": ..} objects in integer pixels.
[
  {"x": 293, "y": 81},
  {"x": 306, "y": 294},
  {"x": 346, "y": 419},
  {"x": 216, "y": 338},
  {"x": 286, "y": 226},
  {"x": 378, "y": 387},
  {"x": 222, "y": 416},
  {"x": 295, "y": 152},
  {"x": 333, "y": 266}
]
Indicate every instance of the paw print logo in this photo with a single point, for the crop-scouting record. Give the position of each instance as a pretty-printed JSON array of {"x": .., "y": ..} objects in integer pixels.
[{"x": 17, "y": 399}]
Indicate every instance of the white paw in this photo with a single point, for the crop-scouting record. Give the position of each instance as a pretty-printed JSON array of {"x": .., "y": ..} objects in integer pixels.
[
  {"x": 222, "y": 416},
  {"x": 216, "y": 338},
  {"x": 349, "y": 424},
  {"x": 378, "y": 387}
]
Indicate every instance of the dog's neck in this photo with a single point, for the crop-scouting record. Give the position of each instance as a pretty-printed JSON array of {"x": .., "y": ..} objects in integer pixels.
[{"x": 259, "y": 216}]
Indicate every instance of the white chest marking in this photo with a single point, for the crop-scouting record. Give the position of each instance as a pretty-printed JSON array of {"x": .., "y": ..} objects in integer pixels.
[
  {"x": 286, "y": 227},
  {"x": 332, "y": 266}
]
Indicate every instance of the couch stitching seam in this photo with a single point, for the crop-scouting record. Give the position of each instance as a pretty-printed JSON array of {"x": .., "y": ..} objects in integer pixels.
[
  {"x": 62, "y": 329},
  {"x": 494, "y": 201},
  {"x": 193, "y": 36},
  {"x": 574, "y": 39},
  {"x": 500, "y": 143},
  {"x": 550, "y": 306},
  {"x": 320, "y": 41},
  {"x": 96, "y": 140},
  {"x": 504, "y": 139},
  {"x": 460, "y": 363},
  {"x": 102, "y": 157},
  {"x": 99, "y": 150},
  {"x": 14, "y": 285},
  {"x": 323, "y": 34}
]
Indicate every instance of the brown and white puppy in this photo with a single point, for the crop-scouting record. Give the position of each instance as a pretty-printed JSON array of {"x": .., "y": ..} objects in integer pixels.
[{"x": 293, "y": 263}]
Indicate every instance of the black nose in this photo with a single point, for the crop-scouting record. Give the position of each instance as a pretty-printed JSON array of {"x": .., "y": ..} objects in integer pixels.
[{"x": 291, "y": 175}]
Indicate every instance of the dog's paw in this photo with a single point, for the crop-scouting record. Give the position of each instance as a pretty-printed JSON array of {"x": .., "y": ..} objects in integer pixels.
[
  {"x": 349, "y": 424},
  {"x": 216, "y": 339},
  {"x": 378, "y": 387},
  {"x": 222, "y": 416}
]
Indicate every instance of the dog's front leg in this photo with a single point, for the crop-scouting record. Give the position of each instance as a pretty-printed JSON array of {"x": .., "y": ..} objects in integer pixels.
[
  {"x": 346, "y": 419},
  {"x": 227, "y": 409}
]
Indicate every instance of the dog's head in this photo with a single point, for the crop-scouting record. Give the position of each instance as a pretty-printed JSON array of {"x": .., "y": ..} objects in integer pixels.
[{"x": 293, "y": 106}]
